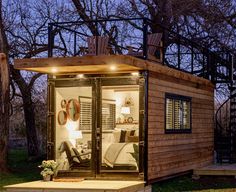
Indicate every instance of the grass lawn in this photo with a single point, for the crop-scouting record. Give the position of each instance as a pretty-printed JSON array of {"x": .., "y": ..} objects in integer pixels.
[
  {"x": 20, "y": 169},
  {"x": 23, "y": 171},
  {"x": 204, "y": 184}
]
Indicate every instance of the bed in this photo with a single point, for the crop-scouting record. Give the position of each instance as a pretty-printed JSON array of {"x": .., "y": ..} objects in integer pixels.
[{"x": 118, "y": 147}]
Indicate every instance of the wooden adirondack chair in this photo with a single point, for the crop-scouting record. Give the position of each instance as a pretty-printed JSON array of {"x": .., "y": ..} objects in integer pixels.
[
  {"x": 153, "y": 43},
  {"x": 102, "y": 45}
]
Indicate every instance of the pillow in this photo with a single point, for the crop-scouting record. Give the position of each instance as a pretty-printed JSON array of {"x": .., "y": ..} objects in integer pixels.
[
  {"x": 122, "y": 136},
  {"x": 132, "y": 132},
  {"x": 116, "y": 135},
  {"x": 129, "y": 133},
  {"x": 133, "y": 138}
]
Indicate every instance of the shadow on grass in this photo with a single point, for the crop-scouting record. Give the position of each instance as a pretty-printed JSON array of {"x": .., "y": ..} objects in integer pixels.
[
  {"x": 20, "y": 169},
  {"x": 204, "y": 184}
]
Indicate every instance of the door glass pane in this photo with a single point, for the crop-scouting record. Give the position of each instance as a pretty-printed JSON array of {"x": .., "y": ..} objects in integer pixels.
[
  {"x": 73, "y": 124},
  {"x": 120, "y": 128}
]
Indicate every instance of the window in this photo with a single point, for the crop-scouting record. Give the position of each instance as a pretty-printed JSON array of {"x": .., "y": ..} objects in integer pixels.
[
  {"x": 108, "y": 114},
  {"x": 85, "y": 116},
  {"x": 178, "y": 114}
]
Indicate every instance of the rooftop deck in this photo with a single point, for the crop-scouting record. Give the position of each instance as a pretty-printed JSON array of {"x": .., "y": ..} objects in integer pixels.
[{"x": 68, "y": 39}]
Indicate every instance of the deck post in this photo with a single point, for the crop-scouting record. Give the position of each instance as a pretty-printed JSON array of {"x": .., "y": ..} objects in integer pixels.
[
  {"x": 178, "y": 53},
  {"x": 50, "y": 40},
  {"x": 145, "y": 38},
  {"x": 75, "y": 43}
]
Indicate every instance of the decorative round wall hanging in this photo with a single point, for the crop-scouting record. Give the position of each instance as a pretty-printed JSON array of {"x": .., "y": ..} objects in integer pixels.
[
  {"x": 73, "y": 109},
  {"x": 62, "y": 117},
  {"x": 63, "y": 103},
  {"x": 130, "y": 120}
]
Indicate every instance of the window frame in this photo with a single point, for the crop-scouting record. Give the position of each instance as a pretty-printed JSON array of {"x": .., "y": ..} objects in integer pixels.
[{"x": 182, "y": 98}]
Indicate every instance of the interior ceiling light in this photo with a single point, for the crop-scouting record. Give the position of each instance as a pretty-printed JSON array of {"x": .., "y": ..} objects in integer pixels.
[
  {"x": 135, "y": 73},
  {"x": 80, "y": 76}
]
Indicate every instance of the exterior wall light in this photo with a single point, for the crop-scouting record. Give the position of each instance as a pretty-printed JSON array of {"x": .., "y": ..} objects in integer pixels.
[
  {"x": 54, "y": 70},
  {"x": 113, "y": 68},
  {"x": 135, "y": 73},
  {"x": 80, "y": 76}
]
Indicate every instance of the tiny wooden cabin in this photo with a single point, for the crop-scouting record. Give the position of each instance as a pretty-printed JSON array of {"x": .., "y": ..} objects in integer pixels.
[
  {"x": 122, "y": 117},
  {"x": 123, "y": 114}
]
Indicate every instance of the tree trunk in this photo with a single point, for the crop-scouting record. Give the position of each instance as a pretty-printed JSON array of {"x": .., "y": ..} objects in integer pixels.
[
  {"x": 4, "y": 111},
  {"x": 4, "y": 96},
  {"x": 25, "y": 89},
  {"x": 28, "y": 106},
  {"x": 31, "y": 132}
]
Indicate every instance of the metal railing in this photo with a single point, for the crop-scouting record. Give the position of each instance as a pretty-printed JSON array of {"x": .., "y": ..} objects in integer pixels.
[{"x": 69, "y": 39}]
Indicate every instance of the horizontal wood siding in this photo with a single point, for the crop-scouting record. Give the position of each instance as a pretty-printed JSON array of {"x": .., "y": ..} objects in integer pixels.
[{"x": 170, "y": 154}]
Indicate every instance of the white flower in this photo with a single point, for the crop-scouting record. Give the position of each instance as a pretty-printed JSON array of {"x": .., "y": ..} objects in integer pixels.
[
  {"x": 46, "y": 172},
  {"x": 51, "y": 164},
  {"x": 49, "y": 167}
]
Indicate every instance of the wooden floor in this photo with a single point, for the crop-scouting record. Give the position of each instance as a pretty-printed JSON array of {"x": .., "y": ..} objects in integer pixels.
[
  {"x": 217, "y": 169},
  {"x": 85, "y": 186}
]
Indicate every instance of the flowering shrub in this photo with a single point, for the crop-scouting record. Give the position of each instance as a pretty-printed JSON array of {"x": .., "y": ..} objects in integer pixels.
[
  {"x": 46, "y": 172},
  {"x": 49, "y": 167}
]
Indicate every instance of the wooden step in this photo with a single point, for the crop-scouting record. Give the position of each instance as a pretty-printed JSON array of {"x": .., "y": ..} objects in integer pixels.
[
  {"x": 218, "y": 169},
  {"x": 85, "y": 185}
]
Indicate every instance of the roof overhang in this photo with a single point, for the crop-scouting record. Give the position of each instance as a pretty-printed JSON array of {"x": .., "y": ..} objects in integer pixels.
[
  {"x": 75, "y": 65},
  {"x": 103, "y": 64}
]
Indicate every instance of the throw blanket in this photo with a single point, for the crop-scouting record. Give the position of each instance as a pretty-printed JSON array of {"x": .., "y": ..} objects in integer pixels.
[{"x": 112, "y": 153}]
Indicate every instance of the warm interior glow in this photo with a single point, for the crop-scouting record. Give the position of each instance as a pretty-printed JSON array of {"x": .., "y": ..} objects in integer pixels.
[
  {"x": 54, "y": 70},
  {"x": 113, "y": 67},
  {"x": 135, "y": 73},
  {"x": 80, "y": 76},
  {"x": 76, "y": 134},
  {"x": 125, "y": 110},
  {"x": 72, "y": 125}
]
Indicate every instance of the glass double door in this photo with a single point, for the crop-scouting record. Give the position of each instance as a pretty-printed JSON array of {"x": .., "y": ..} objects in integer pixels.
[{"x": 98, "y": 126}]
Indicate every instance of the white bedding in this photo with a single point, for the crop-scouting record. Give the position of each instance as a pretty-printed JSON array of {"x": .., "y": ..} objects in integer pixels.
[{"x": 124, "y": 157}]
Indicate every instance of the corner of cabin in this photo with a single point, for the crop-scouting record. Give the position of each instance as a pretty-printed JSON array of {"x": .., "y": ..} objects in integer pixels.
[{"x": 171, "y": 153}]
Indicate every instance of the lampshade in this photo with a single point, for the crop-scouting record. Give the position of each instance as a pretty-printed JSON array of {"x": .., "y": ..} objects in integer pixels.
[
  {"x": 76, "y": 135},
  {"x": 125, "y": 110}
]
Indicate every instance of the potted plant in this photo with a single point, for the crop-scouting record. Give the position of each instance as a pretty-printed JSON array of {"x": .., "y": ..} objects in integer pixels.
[{"x": 49, "y": 168}]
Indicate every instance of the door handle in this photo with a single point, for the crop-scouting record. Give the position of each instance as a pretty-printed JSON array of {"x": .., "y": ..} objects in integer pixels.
[{"x": 98, "y": 144}]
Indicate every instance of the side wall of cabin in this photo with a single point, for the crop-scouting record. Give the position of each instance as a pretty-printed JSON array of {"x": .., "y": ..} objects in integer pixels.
[{"x": 170, "y": 154}]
